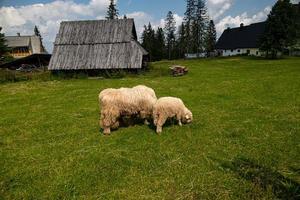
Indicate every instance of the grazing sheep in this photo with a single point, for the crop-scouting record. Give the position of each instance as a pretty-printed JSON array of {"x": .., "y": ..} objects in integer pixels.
[
  {"x": 169, "y": 107},
  {"x": 115, "y": 103}
]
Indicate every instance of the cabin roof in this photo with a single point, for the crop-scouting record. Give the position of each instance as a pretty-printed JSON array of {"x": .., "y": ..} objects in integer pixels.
[
  {"x": 31, "y": 41},
  {"x": 97, "y": 44},
  {"x": 96, "y": 32},
  {"x": 241, "y": 37}
]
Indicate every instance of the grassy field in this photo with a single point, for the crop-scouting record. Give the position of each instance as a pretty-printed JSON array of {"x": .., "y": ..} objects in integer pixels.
[{"x": 244, "y": 142}]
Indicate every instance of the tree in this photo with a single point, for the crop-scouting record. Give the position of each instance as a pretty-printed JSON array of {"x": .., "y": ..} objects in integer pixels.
[
  {"x": 148, "y": 40},
  {"x": 125, "y": 17},
  {"x": 199, "y": 26},
  {"x": 181, "y": 41},
  {"x": 188, "y": 20},
  {"x": 36, "y": 31},
  {"x": 159, "y": 44},
  {"x": 4, "y": 49},
  {"x": 112, "y": 12},
  {"x": 211, "y": 37},
  {"x": 170, "y": 28},
  {"x": 280, "y": 29}
]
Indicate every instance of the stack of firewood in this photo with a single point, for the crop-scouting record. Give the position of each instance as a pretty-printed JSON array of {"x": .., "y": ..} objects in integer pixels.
[{"x": 177, "y": 70}]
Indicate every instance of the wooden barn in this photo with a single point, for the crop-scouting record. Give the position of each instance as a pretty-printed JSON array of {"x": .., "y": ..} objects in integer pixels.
[{"x": 96, "y": 45}]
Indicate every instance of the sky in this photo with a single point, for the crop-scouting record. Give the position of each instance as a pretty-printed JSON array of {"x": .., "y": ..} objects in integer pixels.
[{"x": 20, "y": 16}]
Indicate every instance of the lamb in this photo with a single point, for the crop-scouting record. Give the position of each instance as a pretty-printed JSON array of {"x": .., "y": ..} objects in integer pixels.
[
  {"x": 169, "y": 107},
  {"x": 115, "y": 103}
]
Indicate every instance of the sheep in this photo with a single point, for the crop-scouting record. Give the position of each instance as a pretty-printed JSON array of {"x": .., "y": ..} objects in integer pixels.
[
  {"x": 169, "y": 107},
  {"x": 115, "y": 103}
]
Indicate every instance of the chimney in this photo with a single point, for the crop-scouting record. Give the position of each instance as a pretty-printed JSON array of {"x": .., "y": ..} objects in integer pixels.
[{"x": 18, "y": 34}]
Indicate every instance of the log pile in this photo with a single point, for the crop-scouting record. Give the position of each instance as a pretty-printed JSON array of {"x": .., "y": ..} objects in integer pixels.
[{"x": 177, "y": 70}]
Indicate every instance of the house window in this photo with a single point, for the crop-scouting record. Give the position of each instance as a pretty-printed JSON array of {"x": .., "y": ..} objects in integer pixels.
[
  {"x": 231, "y": 50},
  {"x": 248, "y": 51},
  {"x": 256, "y": 52},
  {"x": 239, "y": 50}
]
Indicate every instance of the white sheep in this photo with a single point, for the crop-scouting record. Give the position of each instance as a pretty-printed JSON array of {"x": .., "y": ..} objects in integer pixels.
[
  {"x": 169, "y": 107},
  {"x": 115, "y": 103}
]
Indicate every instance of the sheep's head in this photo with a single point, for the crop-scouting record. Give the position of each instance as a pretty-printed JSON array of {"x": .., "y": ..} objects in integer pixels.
[{"x": 188, "y": 116}]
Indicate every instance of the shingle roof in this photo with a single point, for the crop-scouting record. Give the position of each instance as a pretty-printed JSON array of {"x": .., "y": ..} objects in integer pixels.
[
  {"x": 33, "y": 42},
  {"x": 17, "y": 41},
  {"x": 96, "y": 31},
  {"x": 97, "y": 44},
  {"x": 241, "y": 37}
]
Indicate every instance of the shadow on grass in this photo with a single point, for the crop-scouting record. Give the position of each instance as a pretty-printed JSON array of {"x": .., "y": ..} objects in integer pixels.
[{"x": 264, "y": 177}]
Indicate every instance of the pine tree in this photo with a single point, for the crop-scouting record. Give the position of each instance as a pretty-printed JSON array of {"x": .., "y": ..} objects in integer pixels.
[
  {"x": 170, "y": 28},
  {"x": 148, "y": 40},
  {"x": 125, "y": 17},
  {"x": 181, "y": 41},
  {"x": 211, "y": 38},
  {"x": 4, "y": 49},
  {"x": 199, "y": 26},
  {"x": 159, "y": 44},
  {"x": 112, "y": 12},
  {"x": 189, "y": 17},
  {"x": 280, "y": 29},
  {"x": 36, "y": 31}
]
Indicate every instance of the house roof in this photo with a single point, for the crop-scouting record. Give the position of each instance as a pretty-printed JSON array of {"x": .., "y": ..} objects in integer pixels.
[
  {"x": 17, "y": 41},
  {"x": 97, "y": 44},
  {"x": 241, "y": 37},
  {"x": 33, "y": 42},
  {"x": 96, "y": 32}
]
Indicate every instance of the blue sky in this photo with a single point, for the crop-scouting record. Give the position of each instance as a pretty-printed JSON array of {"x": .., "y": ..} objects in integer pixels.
[{"x": 22, "y": 15}]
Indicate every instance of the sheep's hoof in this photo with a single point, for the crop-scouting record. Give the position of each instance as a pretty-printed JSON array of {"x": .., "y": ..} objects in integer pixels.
[
  {"x": 106, "y": 132},
  {"x": 158, "y": 131}
]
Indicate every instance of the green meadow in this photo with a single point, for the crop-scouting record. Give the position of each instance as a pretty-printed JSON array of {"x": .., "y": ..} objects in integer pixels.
[{"x": 244, "y": 142}]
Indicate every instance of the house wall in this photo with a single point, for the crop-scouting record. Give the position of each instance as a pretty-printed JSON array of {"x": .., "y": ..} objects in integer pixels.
[{"x": 233, "y": 52}]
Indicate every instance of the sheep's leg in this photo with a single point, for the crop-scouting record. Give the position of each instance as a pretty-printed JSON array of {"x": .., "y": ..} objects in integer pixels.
[
  {"x": 143, "y": 115},
  {"x": 160, "y": 122},
  {"x": 106, "y": 130},
  {"x": 178, "y": 117}
]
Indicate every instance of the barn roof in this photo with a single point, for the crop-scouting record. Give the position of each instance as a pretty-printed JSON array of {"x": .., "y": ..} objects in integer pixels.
[
  {"x": 31, "y": 41},
  {"x": 241, "y": 37},
  {"x": 97, "y": 44}
]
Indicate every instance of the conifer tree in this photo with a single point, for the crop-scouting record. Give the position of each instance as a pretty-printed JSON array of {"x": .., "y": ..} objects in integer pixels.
[
  {"x": 36, "y": 31},
  {"x": 170, "y": 28},
  {"x": 211, "y": 37},
  {"x": 181, "y": 41},
  {"x": 159, "y": 44},
  {"x": 199, "y": 26},
  {"x": 280, "y": 29},
  {"x": 4, "y": 49},
  {"x": 112, "y": 12}
]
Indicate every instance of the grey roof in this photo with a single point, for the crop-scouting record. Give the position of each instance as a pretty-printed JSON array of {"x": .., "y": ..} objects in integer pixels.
[
  {"x": 32, "y": 42},
  {"x": 17, "y": 41},
  {"x": 97, "y": 44}
]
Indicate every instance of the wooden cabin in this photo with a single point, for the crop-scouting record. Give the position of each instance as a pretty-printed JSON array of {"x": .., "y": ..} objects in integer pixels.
[
  {"x": 96, "y": 45},
  {"x": 22, "y": 46}
]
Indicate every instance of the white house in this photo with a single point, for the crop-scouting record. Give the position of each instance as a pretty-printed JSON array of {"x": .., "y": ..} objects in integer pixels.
[{"x": 241, "y": 40}]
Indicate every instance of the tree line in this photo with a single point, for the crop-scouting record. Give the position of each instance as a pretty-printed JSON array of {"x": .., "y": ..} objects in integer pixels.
[{"x": 195, "y": 35}]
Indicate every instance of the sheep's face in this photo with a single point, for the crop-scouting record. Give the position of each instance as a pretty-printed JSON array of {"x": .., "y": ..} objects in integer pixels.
[{"x": 188, "y": 117}]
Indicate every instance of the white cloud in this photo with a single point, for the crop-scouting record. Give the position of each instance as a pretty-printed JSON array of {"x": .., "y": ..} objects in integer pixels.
[
  {"x": 216, "y": 8},
  {"x": 230, "y": 21},
  {"x": 295, "y": 1},
  {"x": 48, "y": 17}
]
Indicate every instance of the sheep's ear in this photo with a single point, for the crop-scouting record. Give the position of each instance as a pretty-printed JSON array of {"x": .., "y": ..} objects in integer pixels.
[{"x": 187, "y": 117}]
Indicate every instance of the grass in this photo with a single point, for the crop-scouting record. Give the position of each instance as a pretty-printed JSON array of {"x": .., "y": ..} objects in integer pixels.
[{"x": 244, "y": 142}]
